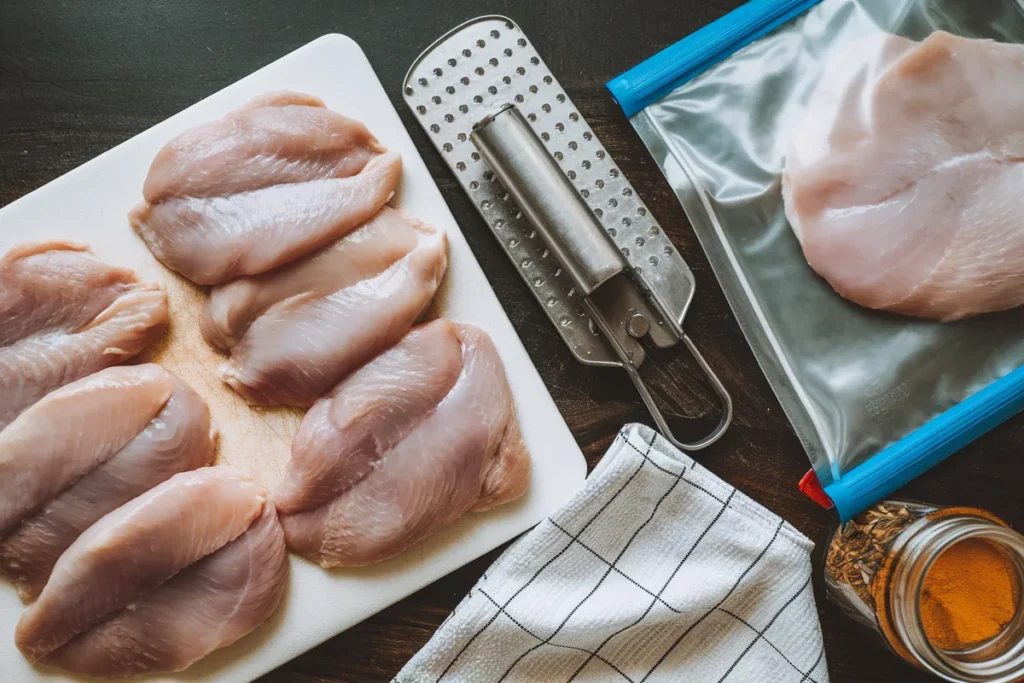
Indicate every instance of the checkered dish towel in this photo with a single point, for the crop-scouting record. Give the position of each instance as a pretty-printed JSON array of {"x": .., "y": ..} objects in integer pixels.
[{"x": 656, "y": 571}]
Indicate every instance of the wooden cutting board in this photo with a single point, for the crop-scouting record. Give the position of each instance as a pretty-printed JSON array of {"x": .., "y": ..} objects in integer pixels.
[{"x": 90, "y": 205}]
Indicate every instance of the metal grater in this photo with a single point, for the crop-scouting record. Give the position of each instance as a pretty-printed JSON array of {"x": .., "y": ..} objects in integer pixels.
[{"x": 601, "y": 267}]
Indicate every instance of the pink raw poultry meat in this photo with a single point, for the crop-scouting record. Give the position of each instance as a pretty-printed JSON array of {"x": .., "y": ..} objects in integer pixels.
[
  {"x": 409, "y": 443},
  {"x": 266, "y": 184},
  {"x": 903, "y": 177},
  {"x": 65, "y": 314},
  {"x": 188, "y": 567}
]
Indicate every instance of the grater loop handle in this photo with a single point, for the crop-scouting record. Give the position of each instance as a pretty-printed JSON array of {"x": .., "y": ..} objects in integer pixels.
[{"x": 629, "y": 366}]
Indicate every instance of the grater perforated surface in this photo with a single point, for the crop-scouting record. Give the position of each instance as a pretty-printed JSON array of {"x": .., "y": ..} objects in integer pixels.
[{"x": 469, "y": 73}]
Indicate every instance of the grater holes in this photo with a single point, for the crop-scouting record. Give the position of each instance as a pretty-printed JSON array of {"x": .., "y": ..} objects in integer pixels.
[
  {"x": 452, "y": 62},
  {"x": 547, "y": 80},
  {"x": 627, "y": 192},
  {"x": 599, "y": 184},
  {"x": 560, "y": 97},
  {"x": 485, "y": 204},
  {"x": 533, "y": 89},
  {"x": 408, "y": 90},
  {"x": 461, "y": 166},
  {"x": 493, "y": 61},
  {"x": 574, "y": 117},
  {"x": 477, "y": 99},
  {"x": 519, "y": 99},
  {"x": 499, "y": 224},
  {"x": 560, "y": 126},
  {"x": 666, "y": 250},
  {"x": 585, "y": 164},
  {"x": 447, "y": 147},
  {"x": 508, "y": 52},
  {"x": 493, "y": 90},
  {"x": 475, "y": 156},
  {"x": 488, "y": 176},
  {"x": 421, "y": 110},
  {"x": 435, "y": 99},
  {"x": 463, "y": 109},
  {"x": 495, "y": 35},
  {"x": 639, "y": 241},
  {"x": 585, "y": 193},
  {"x": 545, "y": 137},
  {"x": 546, "y": 108},
  {"x": 467, "y": 53},
  {"x": 521, "y": 71},
  {"x": 479, "y": 71},
  {"x": 464, "y": 80},
  {"x": 535, "y": 60},
  {"x": 653, "y": 260},
  {"x": 422, "y": 81},
  {"x": 521, "y": 42},
  {"x": 461, "y": 136},
  {"x": 600, "y": 154},
  {"x": 587, "y": 135},
  {"x": 653, "y": 231},
  {"x": 450, "y": 90},
  {"x": 573, "y": 145},
  {"x": 625, "y": 251},
  {"x": 598, "y": 212},
  {"x": 532, "y": 117},
  {"x": 474, "y": 185},
  {"x": 572, "y": 175},
  {"x": 434, "y": 128},
  {"x": 481, "y": 43},
  {"x": 641, "y": 211},
  {"x": 438, "y": 72},
  {"x": 558, "y": 156},
  {"x": 612, "y": 232},
  {"x": 613, "y": 172},
  {"x": 448, "y": 118},
  {"x": 613, "y": 202},
  {"x": 506, "y": 80}
]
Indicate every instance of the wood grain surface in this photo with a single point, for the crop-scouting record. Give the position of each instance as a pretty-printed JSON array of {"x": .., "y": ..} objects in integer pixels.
[{"x": 78, "y": 77}]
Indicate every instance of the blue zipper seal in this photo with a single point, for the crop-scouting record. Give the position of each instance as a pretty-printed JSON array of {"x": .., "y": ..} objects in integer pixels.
[
  {"x": 928, "y": 445},
  {"x": 652, "y": 79}
]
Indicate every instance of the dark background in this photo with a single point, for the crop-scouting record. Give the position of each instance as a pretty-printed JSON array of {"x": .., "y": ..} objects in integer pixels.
[{"x": 81, "y": 76}]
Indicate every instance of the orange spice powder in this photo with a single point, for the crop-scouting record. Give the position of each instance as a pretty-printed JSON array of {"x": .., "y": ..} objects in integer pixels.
[{"x": 969, "y": 595}]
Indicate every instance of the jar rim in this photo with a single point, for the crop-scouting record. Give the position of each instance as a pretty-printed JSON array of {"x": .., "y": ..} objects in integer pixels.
[{"x": 1001, "y": 660}]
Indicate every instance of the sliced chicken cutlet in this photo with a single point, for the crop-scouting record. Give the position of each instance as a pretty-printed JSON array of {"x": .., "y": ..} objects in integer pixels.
[
  {"x": 64, "y": 315},
  {"x": 188, "y": 567},
  {"x": 266, "y": 184},
  {"x": 83, "y": 451},
  {"x": 902, "y": 179},
  {"x": 406, "y": 445},
  {"x": 295, "y": 332}
]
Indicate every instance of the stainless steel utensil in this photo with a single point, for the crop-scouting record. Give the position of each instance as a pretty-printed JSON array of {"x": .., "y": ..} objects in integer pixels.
[{"x": 597, "y": 261}]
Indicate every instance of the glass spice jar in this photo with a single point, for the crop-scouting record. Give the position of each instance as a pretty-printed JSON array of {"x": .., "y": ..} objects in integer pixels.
[{"x": 941, "y": 585}]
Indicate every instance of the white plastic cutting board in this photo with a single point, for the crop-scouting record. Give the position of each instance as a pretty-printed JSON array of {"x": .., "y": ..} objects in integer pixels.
[{"x": 89, "y": 205}]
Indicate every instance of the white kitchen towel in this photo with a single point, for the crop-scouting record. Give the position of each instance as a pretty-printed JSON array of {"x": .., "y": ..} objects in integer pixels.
[{"x": 656, "y": 571}]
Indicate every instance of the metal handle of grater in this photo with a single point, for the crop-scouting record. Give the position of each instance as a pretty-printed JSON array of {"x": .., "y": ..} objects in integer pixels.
[{"x": 598, "y": 271}]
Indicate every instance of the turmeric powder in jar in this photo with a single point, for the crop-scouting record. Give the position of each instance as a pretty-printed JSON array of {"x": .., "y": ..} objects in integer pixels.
[{"x": 941, "y": 585}]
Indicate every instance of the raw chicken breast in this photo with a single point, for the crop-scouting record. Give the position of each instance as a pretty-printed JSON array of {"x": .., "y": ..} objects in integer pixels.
[
  {"x": 265, "y": 185},
  {"x": 83, "y": 451},
  {"x": 406, "y": 445},
  {"x": 903, "y": 177},
  {"x": 186, "y": 568},
  {"x": 295, "y": 332},
  {"x": 64, "y": 315}
]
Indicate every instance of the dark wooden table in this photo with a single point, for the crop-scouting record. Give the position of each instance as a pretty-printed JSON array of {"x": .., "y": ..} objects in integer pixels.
[{"x": 77, "y": 77}]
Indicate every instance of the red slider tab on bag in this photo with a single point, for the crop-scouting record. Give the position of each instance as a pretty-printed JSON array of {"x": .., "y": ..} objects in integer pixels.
[{"x": 812, "y": 488}]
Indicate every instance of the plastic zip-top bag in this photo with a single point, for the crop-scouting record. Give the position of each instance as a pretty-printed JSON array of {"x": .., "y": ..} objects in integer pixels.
[{"x": 893, "y": 145}]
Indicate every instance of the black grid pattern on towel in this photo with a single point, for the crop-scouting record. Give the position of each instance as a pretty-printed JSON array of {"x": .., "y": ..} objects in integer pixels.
[{"x": 611, "y": 670}]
